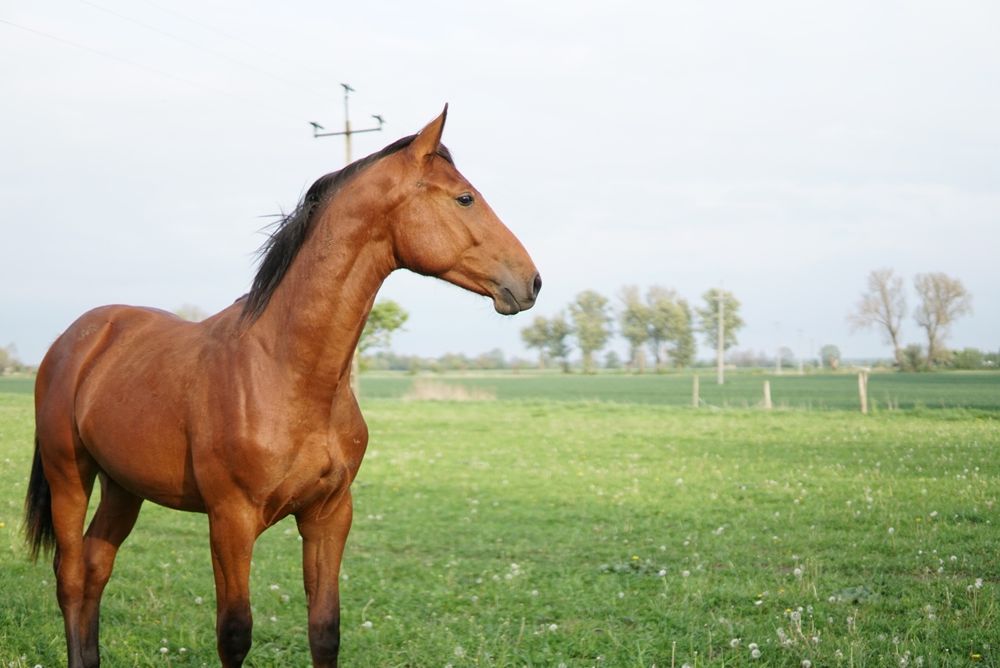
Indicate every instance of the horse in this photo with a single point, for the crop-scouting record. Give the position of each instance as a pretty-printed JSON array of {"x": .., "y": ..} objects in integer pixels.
[{"x": 248, "y": 416}]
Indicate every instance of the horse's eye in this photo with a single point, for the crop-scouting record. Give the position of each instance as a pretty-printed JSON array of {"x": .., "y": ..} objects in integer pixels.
[{"x": 465, "y": 199}]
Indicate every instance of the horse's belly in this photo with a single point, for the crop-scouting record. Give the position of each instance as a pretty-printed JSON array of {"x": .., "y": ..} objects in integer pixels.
[{"x": 144, "y": 453}]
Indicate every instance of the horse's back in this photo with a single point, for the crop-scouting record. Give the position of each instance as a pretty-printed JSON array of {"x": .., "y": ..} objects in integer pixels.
[{"x": 85, "y": 343}]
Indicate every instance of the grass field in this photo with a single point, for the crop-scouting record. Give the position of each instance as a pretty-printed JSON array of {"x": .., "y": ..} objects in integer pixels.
[
  {"x": 547, "y": 529},
  {"x": 887, "y": 391}
]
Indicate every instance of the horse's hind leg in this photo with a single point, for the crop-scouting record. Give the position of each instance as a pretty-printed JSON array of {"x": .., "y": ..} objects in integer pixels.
[
  {"x": 70, "y": 472},
  {"x": 111, "y": 525}
]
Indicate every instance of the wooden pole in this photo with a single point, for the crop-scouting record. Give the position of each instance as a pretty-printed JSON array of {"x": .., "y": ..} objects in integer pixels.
[
  {"x": 863, "y": 391},
  {"x": 695, "y": 398},
  {"x": 767, "y": 395},
  {"x": 720, "y": 350}
]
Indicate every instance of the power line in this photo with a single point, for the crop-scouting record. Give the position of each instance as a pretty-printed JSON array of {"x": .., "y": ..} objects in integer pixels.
[
  {"x": 217, "y": 54},
  {"x": 146, "y": 68},
  {"x": 236, "y": 38}
]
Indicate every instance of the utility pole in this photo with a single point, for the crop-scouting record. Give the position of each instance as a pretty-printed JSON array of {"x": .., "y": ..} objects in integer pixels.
[
  {"x": 798, "y": 353},
  {"x": 720, "y": 348},
  {"x": 346, "y": 134}
]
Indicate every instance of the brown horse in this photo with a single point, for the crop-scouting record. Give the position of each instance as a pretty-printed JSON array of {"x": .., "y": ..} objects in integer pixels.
[{"x": 248, "y": 416}]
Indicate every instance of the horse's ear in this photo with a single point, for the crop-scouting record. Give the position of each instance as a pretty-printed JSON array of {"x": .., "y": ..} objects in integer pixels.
[{"x": 427, "y": 142}]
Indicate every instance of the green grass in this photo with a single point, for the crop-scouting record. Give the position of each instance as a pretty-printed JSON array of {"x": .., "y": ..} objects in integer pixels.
[
  {"x": 887, "y": 391},
  {"x": 17, "y": 384},
  {"x": 537, "y": 532}
]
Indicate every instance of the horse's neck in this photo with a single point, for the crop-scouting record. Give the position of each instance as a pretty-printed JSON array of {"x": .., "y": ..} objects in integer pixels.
[{"x": 317, "y": 313}]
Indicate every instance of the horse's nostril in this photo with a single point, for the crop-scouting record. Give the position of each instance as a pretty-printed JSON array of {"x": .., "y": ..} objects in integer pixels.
[{"x": 536, "y": 286}]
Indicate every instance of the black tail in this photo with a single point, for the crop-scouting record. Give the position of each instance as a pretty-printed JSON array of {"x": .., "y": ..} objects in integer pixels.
[{"x": 38, "y": 529}]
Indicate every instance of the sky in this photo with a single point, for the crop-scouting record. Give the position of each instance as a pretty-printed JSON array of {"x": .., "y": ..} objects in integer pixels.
[{"x": 782, "y": 150}]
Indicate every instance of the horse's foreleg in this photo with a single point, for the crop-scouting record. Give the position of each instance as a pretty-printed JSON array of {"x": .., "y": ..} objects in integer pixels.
[
  {"x": 233, "y": 533},
  {"x": 112, "y": 523},
  {"x": 323, "y": 538}
]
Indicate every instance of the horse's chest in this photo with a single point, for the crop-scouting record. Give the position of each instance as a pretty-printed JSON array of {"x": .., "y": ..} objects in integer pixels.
[{"x": 320, "y": 469}]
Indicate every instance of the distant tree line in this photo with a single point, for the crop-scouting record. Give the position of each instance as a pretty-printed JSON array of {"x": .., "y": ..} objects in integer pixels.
[
  {"x": 942, "y": 301},
  {"x": 10, "y": 363},
  {"x": 660, "y": 323}
]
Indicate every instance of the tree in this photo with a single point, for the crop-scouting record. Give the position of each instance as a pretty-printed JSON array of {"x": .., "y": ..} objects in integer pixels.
[
  {"x": 968, "y": 358},
  {"x": 829, "y": 356},
  {"x": 634, "y": 322},
  {"x": 612, "y": 360},
  {"x": 683, "y": 351},
  {"x": 708, "y": 318},
  {"x": 385, "y": 318},
  {"x": 669, "y": 323},
  {"x": 786, "y": 357},
  {"x": 882, "y": 306},
  {"x": 558, "y": 346},
  {"x": 536, "y": 335},
  {"x": 942, "y": 300},
  {"x": 190, "y": 312},
  {"x": 591, "y": 325},
  {"x": 9, "y": 362},
  {"x": 912, "y": 358}
]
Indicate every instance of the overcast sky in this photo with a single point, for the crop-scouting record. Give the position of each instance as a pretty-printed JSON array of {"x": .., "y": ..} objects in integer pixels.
[{"x": 781, "y": 149}]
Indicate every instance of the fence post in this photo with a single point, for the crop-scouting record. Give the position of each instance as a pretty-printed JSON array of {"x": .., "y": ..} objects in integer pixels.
[
  {"x": 695, "y": 399},
  {"x": 863, "y": 391},
  {"x": 767, "y": 395}
]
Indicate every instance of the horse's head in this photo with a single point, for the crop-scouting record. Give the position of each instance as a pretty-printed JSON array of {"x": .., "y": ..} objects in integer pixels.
[{"x": 441, "y": 226}]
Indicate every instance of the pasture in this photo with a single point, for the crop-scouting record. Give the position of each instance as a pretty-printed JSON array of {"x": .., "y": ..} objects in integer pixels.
[{"x": 587, "y": 522}]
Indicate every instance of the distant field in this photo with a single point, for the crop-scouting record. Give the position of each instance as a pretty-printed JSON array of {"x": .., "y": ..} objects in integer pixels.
[
  {"x": 557, "y": 533},
  {"x": 18, "y": 385},
  {"x": 978, "y": 390},
  {"x": 887, "y": 391}
]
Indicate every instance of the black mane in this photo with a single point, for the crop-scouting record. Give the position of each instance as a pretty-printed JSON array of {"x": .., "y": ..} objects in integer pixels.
[{"x": 283, "y": 244}]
